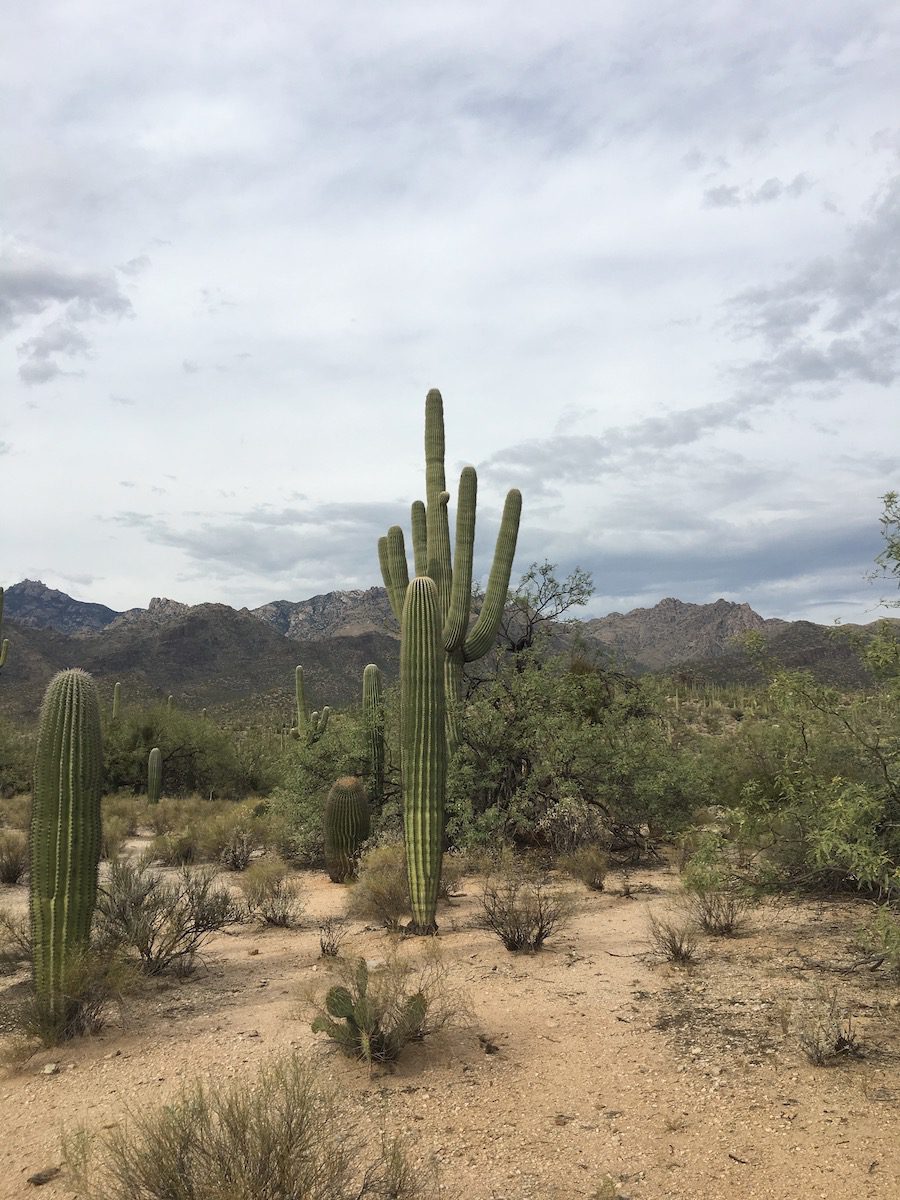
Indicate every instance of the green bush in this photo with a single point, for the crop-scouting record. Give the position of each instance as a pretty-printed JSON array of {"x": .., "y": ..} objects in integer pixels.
[
  {"x": 271, "y": 896},
  {"x": 381, "y": 891},
  {"x": 13, "y": 856}
]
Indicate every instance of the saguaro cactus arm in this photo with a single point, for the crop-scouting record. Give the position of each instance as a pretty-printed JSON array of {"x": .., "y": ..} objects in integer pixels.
[{"x": 485, "y": 629}]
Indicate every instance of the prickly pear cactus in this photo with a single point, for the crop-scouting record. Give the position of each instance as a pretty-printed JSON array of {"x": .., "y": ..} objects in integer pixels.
[
  {"x": 154, "y": 775},
  {"x": 366, "y": 1027},
  {"x": 346, "y": 827},
  {"x": 65, "y": 830}
]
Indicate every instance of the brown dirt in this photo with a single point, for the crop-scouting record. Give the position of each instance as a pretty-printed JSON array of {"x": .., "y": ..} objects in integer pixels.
[{"x": 674, "y": 1084}]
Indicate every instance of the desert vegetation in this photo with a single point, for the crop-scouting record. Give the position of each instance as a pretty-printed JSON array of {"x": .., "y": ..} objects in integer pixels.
[{"x": 516, "y": 828}]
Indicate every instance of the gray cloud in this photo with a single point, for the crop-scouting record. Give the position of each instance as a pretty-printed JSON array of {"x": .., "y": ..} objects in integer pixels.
[
  {"x": 33, "y": 285},
  {"x": 134, "y": 266},
  {"x": 189, "y": 366},
  {"x": 5, "y": 447},
  {"x": 732, "y": 196}
]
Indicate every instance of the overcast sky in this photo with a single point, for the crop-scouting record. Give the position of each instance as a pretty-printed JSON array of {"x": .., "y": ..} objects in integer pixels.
[{"x": 649, "y": 252}]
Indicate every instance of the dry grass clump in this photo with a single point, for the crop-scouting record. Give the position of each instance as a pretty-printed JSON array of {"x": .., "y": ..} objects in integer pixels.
[
  {"x": 95, "y": 979},
  {"x": 673, "y": 940},
  {"x": 721, "y": 913},
  {"x": 823, "y": 1029},
  {"x": 13, "y": 856},
  {"x": 588, "y": 864},
  {"x": 380, "y": 892},
  {"x": 15, "y": 811},
  {"x": 281, "y": 1137},
  {"x": 333, "y": 932},
  {"x": 271, "y": 896}
]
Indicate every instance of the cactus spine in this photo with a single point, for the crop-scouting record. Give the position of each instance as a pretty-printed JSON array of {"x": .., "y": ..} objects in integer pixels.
[
  {"x": 346, "y": 827},
  {"x": 311, "y": 727},
  {"x": 373, "y": 716},
  {"x": 4, "y": 645},
  {"x": 452, "y": 578},
  {"x": 65, "y": 831},
  {"x": 423, "y": 748},
  {"x": 154, "y": 775},
  {"x": 117, "y": 701}
]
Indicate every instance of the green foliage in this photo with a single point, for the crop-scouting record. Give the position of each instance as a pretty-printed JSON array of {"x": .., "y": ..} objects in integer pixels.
[
  {"x": 271, "y": 896},
  {"x": 16, "y": 760},
  {"x": 281, "y": 1137},
  {"x": 381, "y": 890},
  {"x": 196, "y": 755},
  {"x": 557, "y": 752},
  {"x": 65, "y": 836},
  {"x": 588, "y": 864}
]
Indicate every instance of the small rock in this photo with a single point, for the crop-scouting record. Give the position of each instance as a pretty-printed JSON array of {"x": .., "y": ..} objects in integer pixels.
[
  {"x": 50, "y": 1069},
  {"x": 253, "y": 950},
  {"x": 39, "y": 1178}
]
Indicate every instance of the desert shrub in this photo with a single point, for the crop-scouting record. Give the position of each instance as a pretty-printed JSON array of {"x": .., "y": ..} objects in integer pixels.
[
  {"x": 270, "y": 895},
  {"x": 719, "y": 913},
  {"x": 672, "y": 939},
  {"x": 332, "y": 935},
  {"x": 125, "y": 808},
  {"x": 95, "y": 979},
  {"x": 15, "y": 811},
  {"x": 15, "y": 941},
  {"x": 381, "y": 892},
  {"x": 373, "y": 1015},
  {"x": 283, "y": 1137},
  {"x": 235, "y": 855},
  {"x": 16, "y": 761},
  {"x": 823, "y": 1030},
  {"x": 523, "y": 910},
  {"x": 176, "y": 848},
  {"x": 883, "y": 937},
  {"x": 452, "y": 872},
  {"x": 163, "y": 921},
  {"x": 589, "y": 864},
  {"x": 113, "y": 834},
  {"x": 13, "y": 856}
]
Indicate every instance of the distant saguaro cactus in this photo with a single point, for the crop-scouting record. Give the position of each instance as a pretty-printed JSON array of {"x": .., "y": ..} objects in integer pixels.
[
  {"x": 169, "y": 702},
  {"x": 4, "y": 645},
  {"x": 65, "y": 831},
  {"x": 154, "y": 775},
  {"x": 345, "y": 827},
  {"x": 311, "y": 727},
  {"x": 117, "y": 701},
  {"x": 373, "y": 716}
]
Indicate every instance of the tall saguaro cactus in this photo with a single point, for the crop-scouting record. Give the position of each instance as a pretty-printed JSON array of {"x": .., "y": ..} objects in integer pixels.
[
  {"x": 4, "y": 645},
  {"x": 452, "y": 577},
  {"x": 65, "y": 830},
  {"x": 310, "y": 727},
  {"x": 117, "y": 701},
  {"x": 154, "y": 775},
  {"x": 423, "y": 748},
  {"x": 373, "y": 716}
]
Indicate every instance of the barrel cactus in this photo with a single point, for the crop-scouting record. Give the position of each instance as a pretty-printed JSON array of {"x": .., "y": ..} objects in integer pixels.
[
  {"x": 65, "y": 833},
  {"x": 346, "y": 827},
  {"x": 154, "y": 775},
  {"x": 373, "y": 716}
]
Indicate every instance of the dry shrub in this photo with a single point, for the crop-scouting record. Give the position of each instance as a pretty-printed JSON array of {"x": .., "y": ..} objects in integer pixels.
[
  {"x": 15, "y": 941},
  {"x": 524, "y": 910},
  {"x": 333, "y": 933},
  {"x": 380, "y": 892},
  {"x": 721, "y": 913},
  {"x": 163, "y": 921},
  {"x": 824, "y": 1031},
  {"x": 237, "y": 852},
  {"x": 13, "y": 856},
  {"x": 673, "y": 940},
  {"x": 282, "y": 1137},
  {"x": 114, "y": 831},
  {"x": 15, "y": 811},
  {"x": 589, "y": 864},
  {"x": 95, "y": 979},
  {"x": 271, "y": 896}
]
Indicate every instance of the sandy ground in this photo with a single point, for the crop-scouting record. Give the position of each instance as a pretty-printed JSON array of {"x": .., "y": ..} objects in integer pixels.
[{"x": 604, "y": 1062}]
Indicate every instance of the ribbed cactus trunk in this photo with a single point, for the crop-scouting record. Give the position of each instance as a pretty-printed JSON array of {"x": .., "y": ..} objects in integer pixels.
[
  {"x": 373, "y": 717},
  {"x": 65, "y": 830},
  {"x": 117, "y": 701},
  {"x": 311, "y": 727},
  {"x": 423, "y": 745},
  {"x": 4, "y": 645},
  {"x": 452, "y": 577},
  {"x": 345, "y": 827},
  {"x": 154, "y": 775}
]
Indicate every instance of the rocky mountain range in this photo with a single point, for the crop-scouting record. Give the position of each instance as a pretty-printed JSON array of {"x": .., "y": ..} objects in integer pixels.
[{"x": 241, "y": 661}]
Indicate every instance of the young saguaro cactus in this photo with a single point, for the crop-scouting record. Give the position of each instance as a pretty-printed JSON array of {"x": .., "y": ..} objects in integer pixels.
[
  {"x": 373, "y": 716},
  {"x": 346, "y": 827},
  {"x": 452, "y": 578},
  {"x": 154, "y": 775},
  {"x": 65, "y": 830},
  {"x": 311, "y": 727},
  {"x": 423, "y": 749},
  {"x": 4, "y": 645},
  {"x": 117, "y": 701}
]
